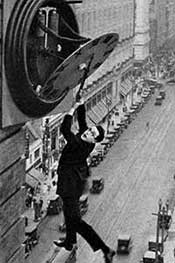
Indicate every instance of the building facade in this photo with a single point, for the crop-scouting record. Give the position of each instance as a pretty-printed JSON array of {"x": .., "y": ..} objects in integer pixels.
[
  {"x": 110, "y": 85},
  {"x": 162, "y": 24},
  {"x": 102, "y": 90},
  {"x": 141, "y": 42}
]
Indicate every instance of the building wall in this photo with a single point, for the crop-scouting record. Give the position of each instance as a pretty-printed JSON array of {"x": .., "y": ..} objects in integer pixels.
[
  {"x": 142, "y": 39},
  {"x": 153, "y": 27},
  {"x": 162, "y": 24},
  {"x": 95, "y": 18},
  {"x": 35, "y": 154},
  {"x": 99, "y": 17},
  {"x": 161, "y": 18},
  {"x": 12, "y": 178},
  {"x": 171, "y": 18}
]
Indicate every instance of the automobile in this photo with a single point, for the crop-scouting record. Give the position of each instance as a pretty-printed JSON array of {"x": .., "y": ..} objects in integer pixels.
[
  {"x": 97, "y": 185},
  {"x": 62, "y": 227},
  {"x": 124, "y": 244},
  {"x": 31, "y": 239},
  {"x": 152, "y": 244},
  {"x": 150, "y": 257},
  {"x": 159, "y": 85},
  {"x": 54, "y": 206},
  {"x": 151, "y": 81},
  {"x": 162, "y": 94},
  {"x": 83, "y": 204},
  {"x": 158, "y": 100},
  {"x": 171, "y": 81}
]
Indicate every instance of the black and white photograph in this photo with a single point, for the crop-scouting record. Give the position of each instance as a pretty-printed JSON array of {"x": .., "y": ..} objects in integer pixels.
[{"x": 87, "y": 131}]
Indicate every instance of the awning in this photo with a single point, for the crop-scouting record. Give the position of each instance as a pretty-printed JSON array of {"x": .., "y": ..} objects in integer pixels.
[
  {"x": 99, "y": 109},
  {"x": 92, "y": 116},
  {"x": 97, "y": 113},
  {"x": 125, "y": 87},
  {"x": 34, "y": 177}
]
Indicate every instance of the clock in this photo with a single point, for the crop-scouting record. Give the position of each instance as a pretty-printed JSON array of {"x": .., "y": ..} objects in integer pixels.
[{"x": 44, "y": 54}]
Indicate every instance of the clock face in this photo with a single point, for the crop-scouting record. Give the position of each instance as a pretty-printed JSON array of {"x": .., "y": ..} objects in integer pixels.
[
  {"x": 43, "y": 57},
  {"x": 70, "y": 73}
]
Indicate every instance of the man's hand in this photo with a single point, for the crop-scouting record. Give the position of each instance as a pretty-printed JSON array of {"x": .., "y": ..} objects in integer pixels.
[
  {"x": 81, "y": 101},
  {"x": 75, "y": 106}
]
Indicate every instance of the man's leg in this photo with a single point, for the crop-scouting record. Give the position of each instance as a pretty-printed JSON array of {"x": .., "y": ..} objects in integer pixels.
[
  {"x": 71, "y": 213},
  {"x": 93, "y": 239},
  {"x": 90, "y": 235},
  {"x": 74, "y": 224}
]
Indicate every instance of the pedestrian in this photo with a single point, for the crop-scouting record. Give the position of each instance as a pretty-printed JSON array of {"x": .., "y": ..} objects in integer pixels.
[
  {"x": 147, "y": 125},
  {"x": 36, "y": 207},
  {"x": 72, "y": 172}
]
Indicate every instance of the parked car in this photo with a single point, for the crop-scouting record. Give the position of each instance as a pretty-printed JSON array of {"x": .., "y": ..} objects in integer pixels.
[
  {"x": 83, "y": 203},
  {"x": 159, "y": 85},
  {"x": 97, "y": 185},
  {"x": 62, "y": 227},
  {"x": 55, "y": 206},
  {"x": 152, "y": 244},
  {"x": 150, "y": 257},
  {"x": 124, "y": 244},
  {"x": 158, "y": 100},
  {"x": 171, "y": 81},
  {"x": 162, "y": 94}
]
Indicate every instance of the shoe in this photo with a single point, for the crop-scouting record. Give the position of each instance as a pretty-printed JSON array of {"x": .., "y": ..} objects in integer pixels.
[
  {"x": 60, "y": 243},
  {"x": 109, "y": 256}
]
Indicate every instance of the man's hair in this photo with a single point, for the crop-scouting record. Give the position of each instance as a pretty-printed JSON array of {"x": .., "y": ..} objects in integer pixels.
[{"x": 100, "y": 137}]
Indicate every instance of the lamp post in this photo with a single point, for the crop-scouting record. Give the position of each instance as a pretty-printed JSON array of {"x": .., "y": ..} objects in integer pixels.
[
  {"x": 157, "y": 232},
  {"x": 163, "y": 227}
]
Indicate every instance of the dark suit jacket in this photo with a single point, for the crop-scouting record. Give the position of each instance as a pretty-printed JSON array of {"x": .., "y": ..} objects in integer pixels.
[{"x": 73, "y": 169}]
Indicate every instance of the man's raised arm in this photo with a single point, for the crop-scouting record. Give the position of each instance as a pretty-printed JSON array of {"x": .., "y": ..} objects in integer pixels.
[{"x": 81, "y": 117}]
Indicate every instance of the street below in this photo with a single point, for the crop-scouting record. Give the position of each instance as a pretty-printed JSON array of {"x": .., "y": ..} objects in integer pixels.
[{"x": 138, "y": 170}]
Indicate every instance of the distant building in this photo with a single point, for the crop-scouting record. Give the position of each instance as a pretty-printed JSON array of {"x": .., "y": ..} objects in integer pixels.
[
  {"x": 142, "y": 38},
  {"x": 35, "y": 145},
  {"x": 162, "y": 24}
]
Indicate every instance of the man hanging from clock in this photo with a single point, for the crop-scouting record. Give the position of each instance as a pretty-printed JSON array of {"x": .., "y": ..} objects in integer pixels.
[{"x": 72, "y": 175}]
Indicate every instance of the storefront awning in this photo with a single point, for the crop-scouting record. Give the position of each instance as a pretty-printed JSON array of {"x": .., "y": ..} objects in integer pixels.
[
  {"x": 125, "y": 87},
  {"x": 92, "y": 117},
  {"x": 97, "y": 113},
  {"x": 99, "y": 110},
  {"x": 103, "y": 109},
  {"x": 34, "y": 177}
]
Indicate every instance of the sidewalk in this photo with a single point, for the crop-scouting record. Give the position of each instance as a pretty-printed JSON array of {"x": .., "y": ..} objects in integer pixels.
[
  {"x": 169, "y": 246},
  {"x": 46, "y": 195}
]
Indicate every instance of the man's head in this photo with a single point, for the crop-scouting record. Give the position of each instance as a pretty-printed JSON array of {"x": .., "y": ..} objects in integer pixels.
[{"x": 93, "y": 134}]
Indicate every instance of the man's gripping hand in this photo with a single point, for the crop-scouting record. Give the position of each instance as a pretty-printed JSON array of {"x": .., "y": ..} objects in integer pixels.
[{"x": 75, "y": 106}]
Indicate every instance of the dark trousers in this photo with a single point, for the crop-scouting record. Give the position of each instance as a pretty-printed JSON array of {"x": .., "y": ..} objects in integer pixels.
[{"x": 74, "y": 224}]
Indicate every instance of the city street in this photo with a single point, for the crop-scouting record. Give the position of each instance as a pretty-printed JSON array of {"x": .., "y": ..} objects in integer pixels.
[{"x": 138, "y": 170}]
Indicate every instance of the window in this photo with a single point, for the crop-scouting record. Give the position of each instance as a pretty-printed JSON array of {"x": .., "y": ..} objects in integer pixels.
[
  {"x": 109, "y": 88},
  {"x": 37, "y": 153},
  {"x": 94, "y": 101},
  {"x": 103, "y": 93},
  {"x": 98, "y": 97},
  {"x": 88, "y": 105}
]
